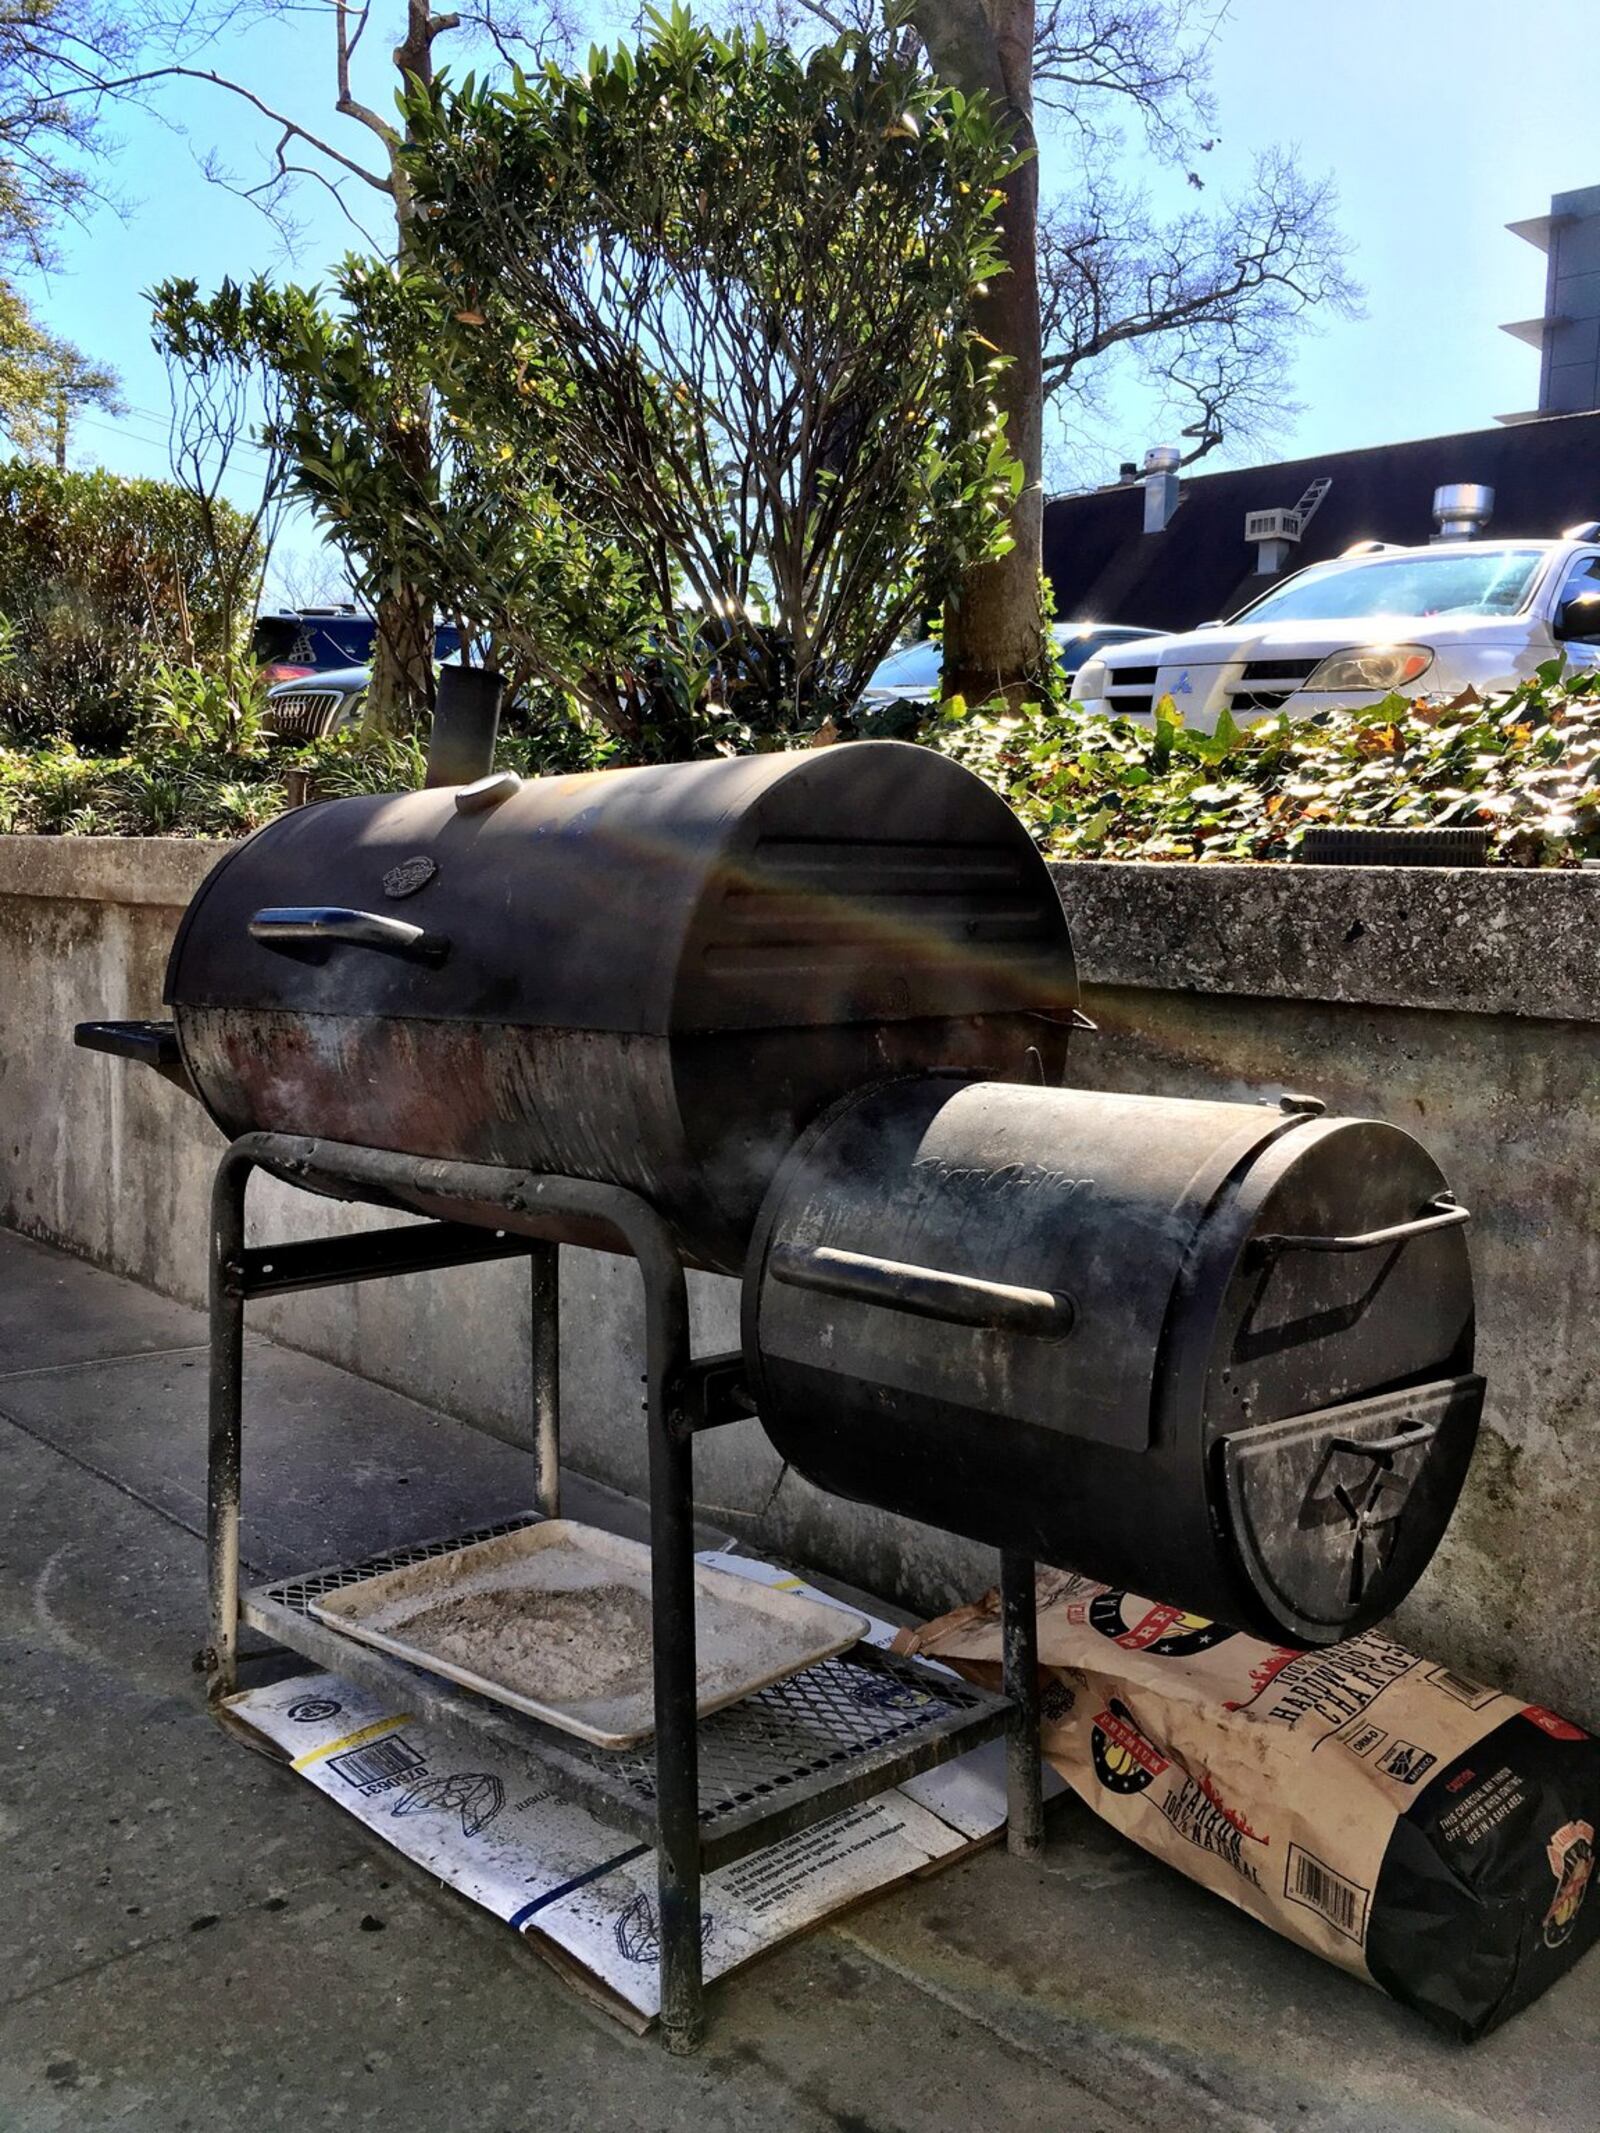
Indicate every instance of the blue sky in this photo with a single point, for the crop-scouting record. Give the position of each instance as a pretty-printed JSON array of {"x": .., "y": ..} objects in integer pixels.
[{"x": 1442, "y": 120}]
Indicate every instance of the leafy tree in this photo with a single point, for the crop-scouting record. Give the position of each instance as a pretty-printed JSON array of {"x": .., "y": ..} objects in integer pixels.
[
  {"x": 462, "y": 528},
  {"x": 1203, "y": 304},
  {"x": 43, "y": 382},
  {"x": 358, "y": 157},
  {"x": 725, "y": 292},
  {"x": 53, "y": 56},
  {"x": 223, "y": 400},
  {"x": 50, "y": 143}
]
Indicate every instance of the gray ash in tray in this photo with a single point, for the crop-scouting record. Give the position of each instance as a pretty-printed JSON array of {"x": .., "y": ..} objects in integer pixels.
[{"x": 552, "y": 1647}]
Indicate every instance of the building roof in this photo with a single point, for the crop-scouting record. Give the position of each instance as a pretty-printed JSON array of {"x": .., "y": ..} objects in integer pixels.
[{"x": 1105, "y": 568}]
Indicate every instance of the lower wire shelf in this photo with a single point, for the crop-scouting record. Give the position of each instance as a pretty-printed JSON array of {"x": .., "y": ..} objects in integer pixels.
[{"x": 789, "y": 1756}]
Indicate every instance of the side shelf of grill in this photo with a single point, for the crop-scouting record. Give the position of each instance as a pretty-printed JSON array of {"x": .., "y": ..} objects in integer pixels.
[{"x": 151, "y": 1044}]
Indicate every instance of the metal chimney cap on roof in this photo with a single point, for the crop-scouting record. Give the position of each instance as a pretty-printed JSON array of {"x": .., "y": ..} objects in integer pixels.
[
  {"x": 1462, "y": 509},
  {"x": 1162, "y": 489}
]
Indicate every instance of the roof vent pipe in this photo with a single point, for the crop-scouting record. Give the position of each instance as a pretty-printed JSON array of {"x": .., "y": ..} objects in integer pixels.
[
  {"x": 1161, "y": 464},
  {"x": 1461, "y": 510}
]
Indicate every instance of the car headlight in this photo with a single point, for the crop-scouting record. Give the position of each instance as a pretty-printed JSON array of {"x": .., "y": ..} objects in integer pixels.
[
  {"x": 1372, "y": 666},
  {"x": 1089, "y": 681}
]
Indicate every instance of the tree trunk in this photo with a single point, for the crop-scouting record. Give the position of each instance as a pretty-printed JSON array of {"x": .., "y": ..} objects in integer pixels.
[
  {"x": 401, "y": 690},
  {"x": 994, "y": 633}
]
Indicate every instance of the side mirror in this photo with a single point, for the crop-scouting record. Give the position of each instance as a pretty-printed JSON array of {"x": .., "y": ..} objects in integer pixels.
[{"x": 1578, "y": 620}]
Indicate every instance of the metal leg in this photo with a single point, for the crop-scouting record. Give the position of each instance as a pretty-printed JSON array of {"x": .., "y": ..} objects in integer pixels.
[
  {"x": 673, "y": 1640},
  {"x": 544, "y": 1277},
  {"x": 1019, "y": 1631},
  {"x": 224, "y": 1431}
]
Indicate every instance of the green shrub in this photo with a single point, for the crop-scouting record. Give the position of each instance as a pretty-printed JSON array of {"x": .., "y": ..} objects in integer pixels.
[
  {"x": 1526, "y": 765},
  {"x": 199, "y": 765},
  {"x": 101, "y": 580},
  {"x": 714, "y": 297}
]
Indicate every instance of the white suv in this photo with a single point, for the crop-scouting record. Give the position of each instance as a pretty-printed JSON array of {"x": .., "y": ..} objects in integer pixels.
[{"x": 1425, "y": 621}]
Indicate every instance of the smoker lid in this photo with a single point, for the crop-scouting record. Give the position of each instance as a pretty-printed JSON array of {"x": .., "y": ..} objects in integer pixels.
[
  {"x": 874, "y": 881},
  {"x": 1090, "y": 1195}
]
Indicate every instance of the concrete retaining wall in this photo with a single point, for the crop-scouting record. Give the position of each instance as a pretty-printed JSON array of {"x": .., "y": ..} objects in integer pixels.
[{"x": 1463, "y": 1006}]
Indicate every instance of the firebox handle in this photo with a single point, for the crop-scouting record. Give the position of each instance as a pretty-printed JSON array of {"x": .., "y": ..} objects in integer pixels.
[
  {"x": 923, "y": 1291},
  {"x": 1442, "y": 1212},
  {"x": 291, "y": 927}
]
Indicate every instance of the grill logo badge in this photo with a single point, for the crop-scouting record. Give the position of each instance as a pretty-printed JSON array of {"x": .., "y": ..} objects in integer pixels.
[
  {"x": 409, "y": 876},
  {"x": 1183, "y": 686}
]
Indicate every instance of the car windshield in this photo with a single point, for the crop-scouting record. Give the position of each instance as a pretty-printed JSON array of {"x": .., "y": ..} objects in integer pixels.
[
  {"x": 1078, "y": 641},
  {"x": 917, "y": 667},
  {"x": 1490, "y": 581}
]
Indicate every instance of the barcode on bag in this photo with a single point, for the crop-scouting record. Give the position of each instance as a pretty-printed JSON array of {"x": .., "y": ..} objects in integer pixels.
[
  {"x": 377, "y": 1766},
  {"x": 1472, "y": 1693},
  {"x": 1342, "y": 1903}
]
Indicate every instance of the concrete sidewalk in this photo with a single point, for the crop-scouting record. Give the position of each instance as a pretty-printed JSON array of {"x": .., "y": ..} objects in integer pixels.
[{"x": 191, "y": 1937}]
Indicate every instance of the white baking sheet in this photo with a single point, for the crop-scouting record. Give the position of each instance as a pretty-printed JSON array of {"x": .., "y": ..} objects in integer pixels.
[{"x": 597, "y": 1683}]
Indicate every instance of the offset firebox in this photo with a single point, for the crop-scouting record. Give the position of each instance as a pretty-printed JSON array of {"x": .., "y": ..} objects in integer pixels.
[
  {"x": 1215, "y": 1352},
  {"x": 808, "y": 1014}
]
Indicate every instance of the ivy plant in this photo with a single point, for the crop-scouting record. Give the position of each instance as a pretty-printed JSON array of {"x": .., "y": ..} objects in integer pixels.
[{"x": 1525, "y": 765}]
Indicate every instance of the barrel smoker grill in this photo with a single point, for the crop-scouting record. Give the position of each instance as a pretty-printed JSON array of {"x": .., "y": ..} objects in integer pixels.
[{"x": 807, "y": 1015}]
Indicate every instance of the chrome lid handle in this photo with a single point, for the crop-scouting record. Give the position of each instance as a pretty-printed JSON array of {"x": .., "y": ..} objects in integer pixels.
[{"x": 295, "y": 927}]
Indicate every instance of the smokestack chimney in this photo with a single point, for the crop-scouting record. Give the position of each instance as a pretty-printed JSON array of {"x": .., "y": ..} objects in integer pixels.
[
  {"x": 1161, "y": 497},
  {"x": 1461, "y": 510},
  {"x": 1128, "y": 472},
  {"x": 466, "y": 721}
]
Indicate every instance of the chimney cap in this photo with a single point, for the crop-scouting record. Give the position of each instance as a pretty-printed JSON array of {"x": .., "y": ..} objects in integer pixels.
[
  {"x": 1163, "y": 459},
  {"x": 1128, "y": 471},
  {"x": 1462, "y": 509}
]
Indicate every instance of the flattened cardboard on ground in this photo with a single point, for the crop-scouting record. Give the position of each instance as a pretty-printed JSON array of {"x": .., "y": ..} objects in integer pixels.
[{"x": 486, "y": 1822}]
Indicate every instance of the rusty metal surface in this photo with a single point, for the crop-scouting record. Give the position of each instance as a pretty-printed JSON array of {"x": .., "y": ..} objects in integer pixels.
[
  {"x": 874, "y": 882},
  {"x": 699, "y": 1128}
]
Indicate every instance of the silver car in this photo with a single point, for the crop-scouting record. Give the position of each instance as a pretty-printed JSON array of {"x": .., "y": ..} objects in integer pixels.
[
  {"x": 911, "y": 676},
  {"x": 317, "y": 704}
]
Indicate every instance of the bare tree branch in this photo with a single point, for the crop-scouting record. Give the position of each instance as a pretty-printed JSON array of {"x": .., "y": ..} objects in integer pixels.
[
  {"x": 1205, "y": 303},
  {"x": 292, "y": 129}
]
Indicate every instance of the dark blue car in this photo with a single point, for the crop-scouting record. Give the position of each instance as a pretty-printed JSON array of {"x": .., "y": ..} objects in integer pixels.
[{"x": 298, "y": 641}]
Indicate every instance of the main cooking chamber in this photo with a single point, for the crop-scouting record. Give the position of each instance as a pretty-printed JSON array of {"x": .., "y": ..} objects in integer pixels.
[
  {"x": 1219, "y": 1353},
  {"x": 652, "y": 978}
]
